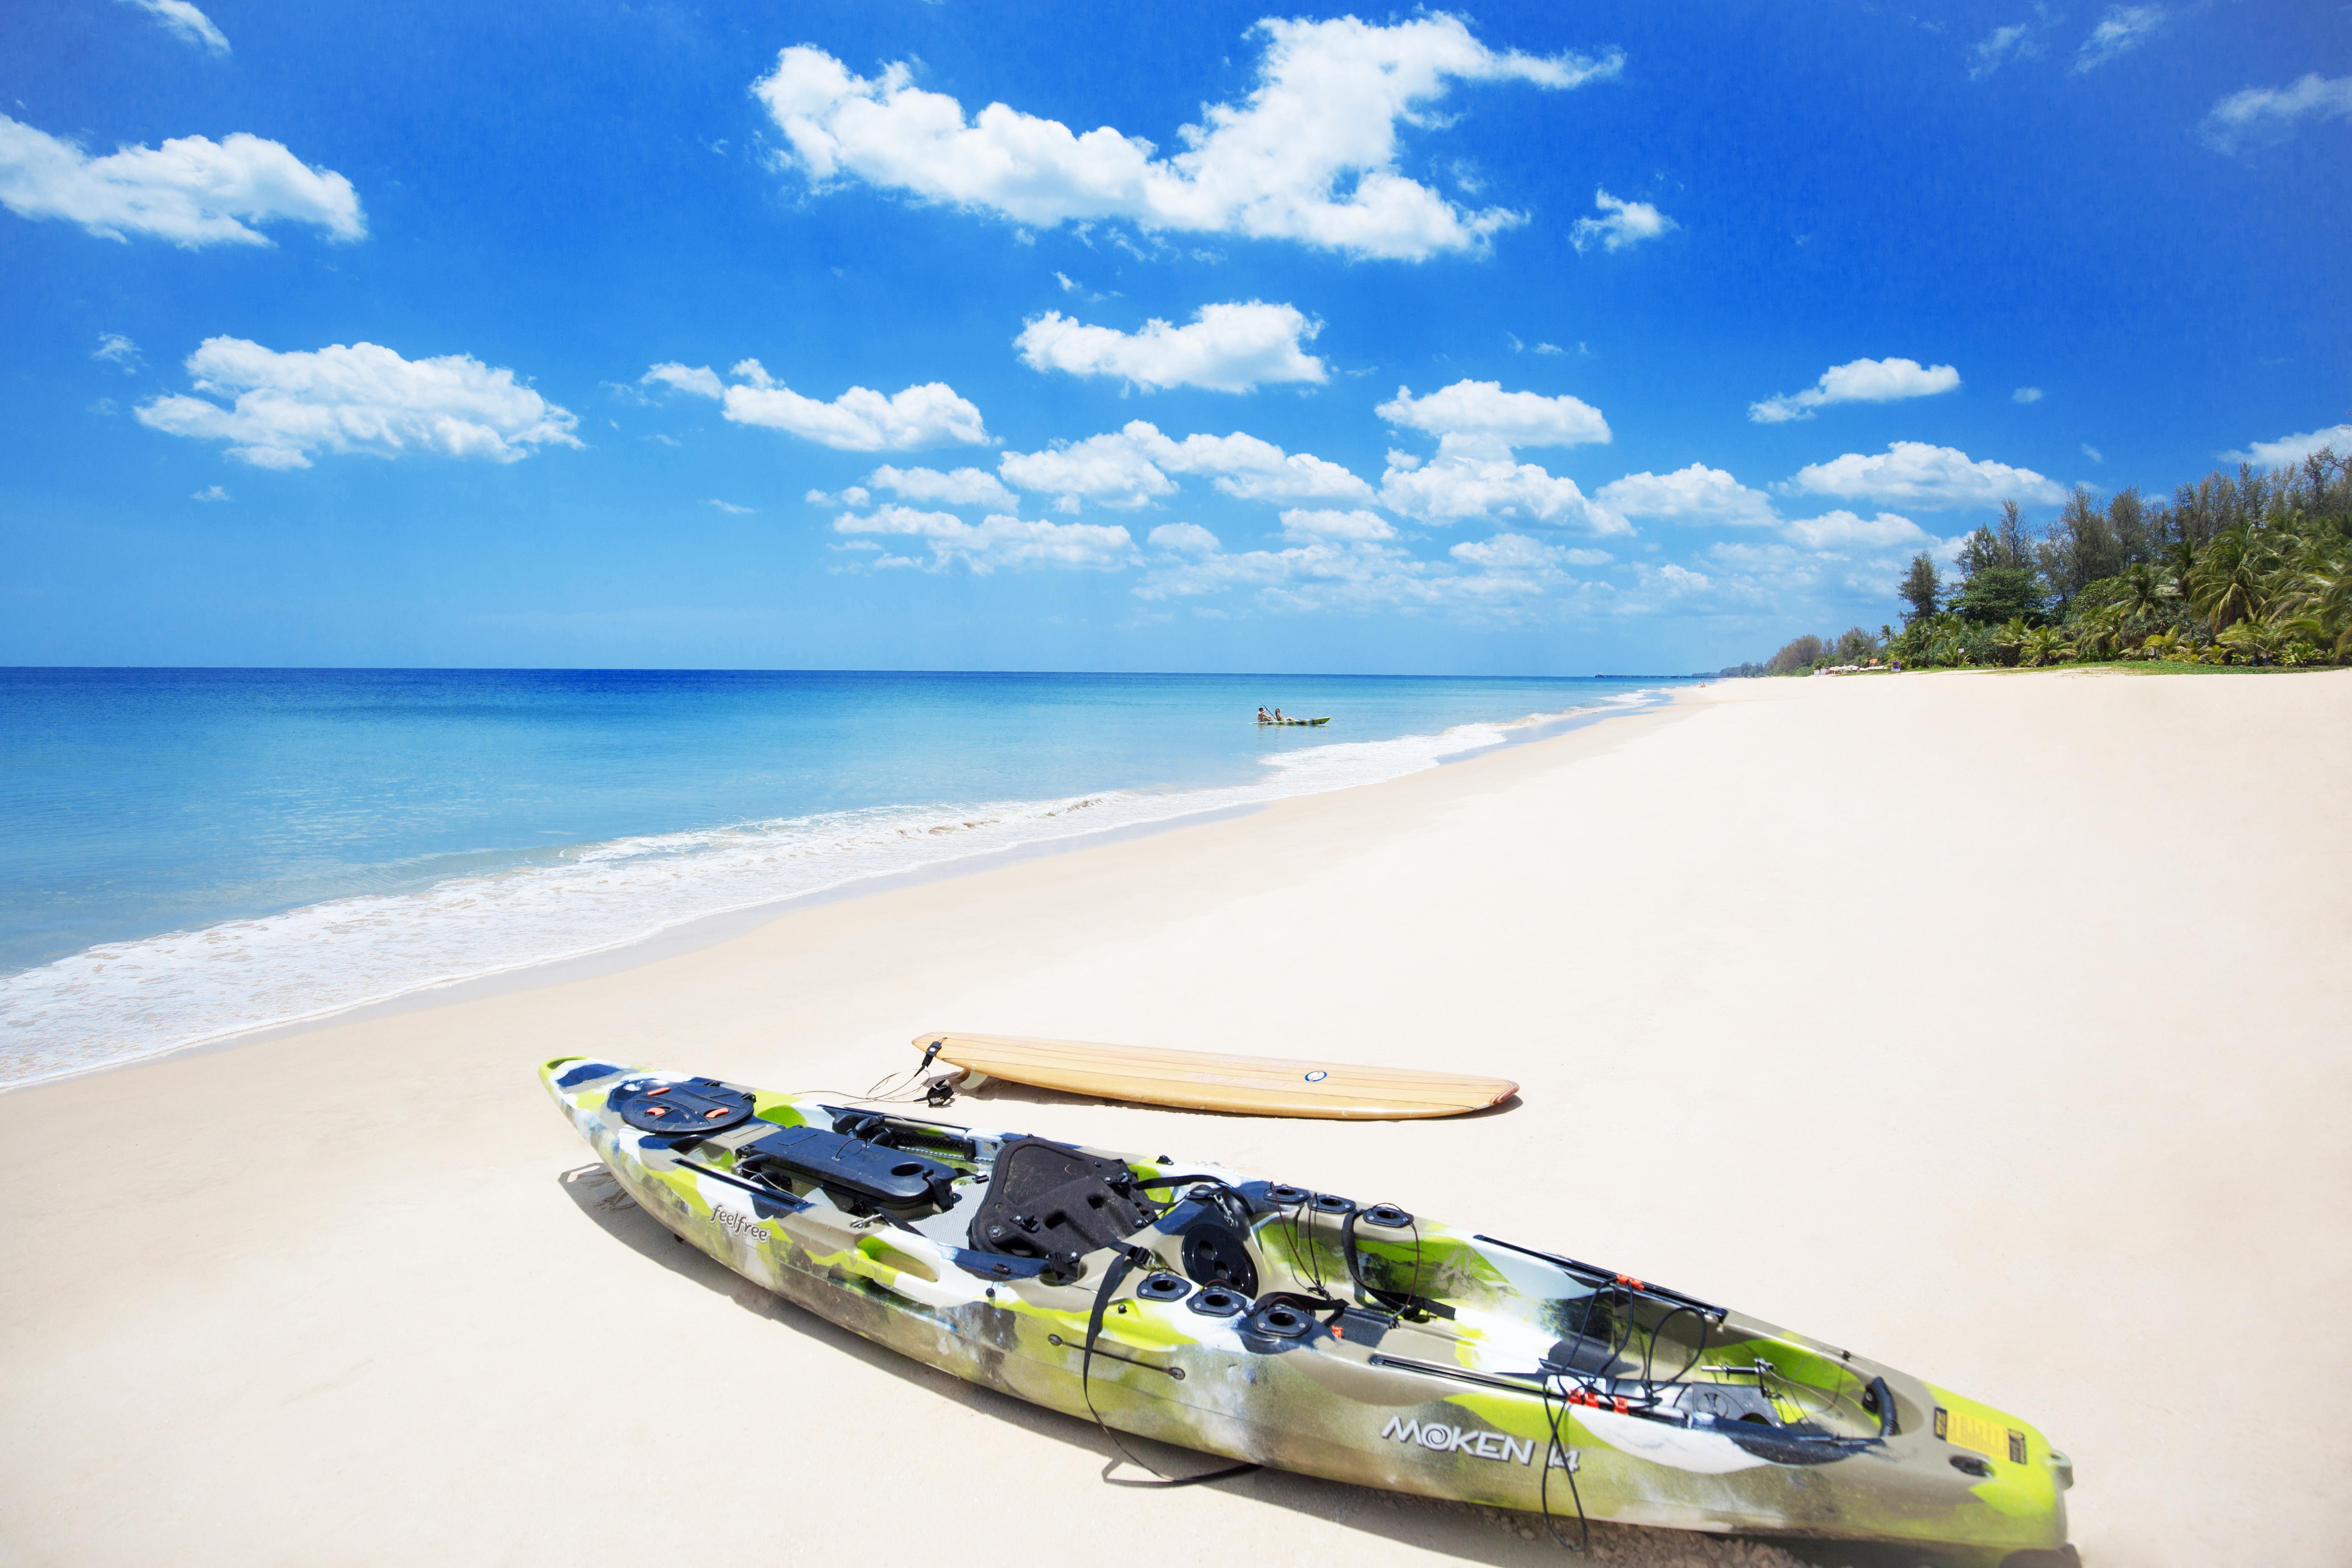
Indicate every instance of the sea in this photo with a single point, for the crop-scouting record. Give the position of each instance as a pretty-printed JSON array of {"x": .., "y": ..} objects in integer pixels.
[{"x": 186, "y": 855}]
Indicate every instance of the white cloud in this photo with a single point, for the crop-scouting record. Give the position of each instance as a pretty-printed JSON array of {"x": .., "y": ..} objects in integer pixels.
[
  {"x": 1068, "y": 284},
  {"x": 185, "y": 23},
  {"x": 1006, "y": 541},
  {"x": 1840, "y": 531},
  {"x": 731, "y": 510},
  {"x": 2026, "y": 394},
  {"x": 699, "y": 380},
  {"x": 1623, "y": 225},
  {"x": 210, "y": 493},
  {"x": 192, "y": 191},
  {"x": 2123, "y": 29},
  {"x": 1858, "y": 381},
  {"x": 1252, "y": 470},
  {"x": 1131, "y": 466},
  {"x": 2092, "y": 453},
  {"x": 1479, "y": 417},
  {"x": 356, "y": 398},
  {"x": 1698, "y": 495},
  {"x": 1457, "y": 487},
  {"x": 1112, "y": 470},
  {"x": 963, "y": 487},
  {"x": 1185, "y": 538},
  {"x": 116, "y": 349},
  {"x": 2261, "y": 114},
  {"x": 1310, "y": 156},
  {"x": 1999, "y": 47},
  {"x": 859, "y": 420},
  {"x": 1926, "y": 475},
  {"x": 1518, "y": 553},
  {"x": 1337, "y": 525},
  {"x": 2294, "y": 448},
  {"x": 1226, "y": 348}
]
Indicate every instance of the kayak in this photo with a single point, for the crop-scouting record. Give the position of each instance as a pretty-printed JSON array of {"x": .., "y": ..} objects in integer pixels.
[
  {"x": 1196, "y": 1306},
  {"x": 1325, "y": 720}
]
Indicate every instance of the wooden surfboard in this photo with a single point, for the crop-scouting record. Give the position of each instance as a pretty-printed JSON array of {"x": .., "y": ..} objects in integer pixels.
[{"x": 1196, "y": 1081}]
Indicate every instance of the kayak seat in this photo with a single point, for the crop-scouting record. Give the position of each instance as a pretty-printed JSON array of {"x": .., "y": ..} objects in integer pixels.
[{"x": 1047, "y": 1200}]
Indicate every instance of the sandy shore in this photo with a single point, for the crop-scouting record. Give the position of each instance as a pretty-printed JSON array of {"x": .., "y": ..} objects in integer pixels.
[{"x": 1994, "y": 1025}]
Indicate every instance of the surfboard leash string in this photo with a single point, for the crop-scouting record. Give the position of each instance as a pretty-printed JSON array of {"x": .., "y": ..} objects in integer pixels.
[{"x": 1121, "y": 1264}]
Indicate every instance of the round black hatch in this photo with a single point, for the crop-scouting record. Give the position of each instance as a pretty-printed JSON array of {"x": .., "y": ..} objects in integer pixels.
[{"x": 690, "y": 1109}]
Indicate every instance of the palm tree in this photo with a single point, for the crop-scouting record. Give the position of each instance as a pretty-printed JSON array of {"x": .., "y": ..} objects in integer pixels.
[
  {"x": 2048, "y": 645},
  {"x": 2142, "y": 590},
  {"x": 2228, "y": 582}
]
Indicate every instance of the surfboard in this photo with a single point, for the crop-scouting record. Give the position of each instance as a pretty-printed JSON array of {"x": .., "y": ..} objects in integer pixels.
[{"x": 1197, "y": 1080}]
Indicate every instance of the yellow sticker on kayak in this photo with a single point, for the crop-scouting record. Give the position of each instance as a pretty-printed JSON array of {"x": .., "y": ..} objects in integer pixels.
[{"x": 1963, "y": 1430}]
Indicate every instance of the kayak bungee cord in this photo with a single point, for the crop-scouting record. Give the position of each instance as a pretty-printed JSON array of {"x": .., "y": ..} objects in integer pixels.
[
  {"x": 1567, "y": 1461},
  {"x": 1116, "y": 1270}
]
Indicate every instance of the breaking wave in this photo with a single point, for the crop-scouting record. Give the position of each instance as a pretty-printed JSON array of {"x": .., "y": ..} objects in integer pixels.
[{"x": 122, "y": 1001}]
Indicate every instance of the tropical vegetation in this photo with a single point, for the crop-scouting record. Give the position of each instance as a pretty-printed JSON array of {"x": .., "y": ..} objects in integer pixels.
[{"x": 2250, "y": 568}]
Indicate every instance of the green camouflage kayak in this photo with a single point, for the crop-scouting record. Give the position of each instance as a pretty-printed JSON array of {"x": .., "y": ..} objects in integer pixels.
[{"x": 1239, "y": 1317}]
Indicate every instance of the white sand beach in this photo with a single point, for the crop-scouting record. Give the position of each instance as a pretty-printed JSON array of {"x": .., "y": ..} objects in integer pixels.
[{"x": 1994, "y": 1025}]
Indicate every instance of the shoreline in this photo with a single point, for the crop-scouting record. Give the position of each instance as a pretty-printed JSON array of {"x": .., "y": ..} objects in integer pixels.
[
  {"x": 693, "y": 932},
  {"x": 1787, "y": 1038}
]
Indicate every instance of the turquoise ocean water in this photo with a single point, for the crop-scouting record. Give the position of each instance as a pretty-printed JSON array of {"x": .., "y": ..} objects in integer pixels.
[{"x": 188, "y": 854}]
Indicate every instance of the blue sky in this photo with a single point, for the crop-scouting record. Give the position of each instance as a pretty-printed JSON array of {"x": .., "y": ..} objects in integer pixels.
[{"x": 1516, "y": 339}]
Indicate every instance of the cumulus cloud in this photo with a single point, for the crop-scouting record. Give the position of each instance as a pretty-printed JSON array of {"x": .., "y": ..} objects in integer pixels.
[
  {"x": 1129, "y": 467},
  {"x": 2294, "y": 448},
  {"x": 1698, "y": 495},
  {"x": 1311, "y": 155},
  {"x": 192, "y": 191},
  {"x": 1114, "y": 469},
  {"x": 116, "y": 349},
  {"x": 184, "y": 22},
  {"x": 357, "y": 398},
  {"x": 995, "y": 541},
  {"x": 1226, "y": 348},
  {"x": 1456, "y": 488},
  {"x": 210, "y": 493},
  {"x": 1250, "y": 469},
  {"x": 1474, "y": 474},
  {"x": 2264, "y": 114},
  {"x": 1185, "y": 538},
  {"x": 2000, "y": 47},
  {"x": 1480, "y": 417},
  {"x": 1840, "y": 531},
  {"x": 2026, "y": 394},
  {"x": 1518, "y": 553},
  {"x": 699, "y": 380},
  {"x": 2123, "y": 29},
  {"x": 859, "y": 420},
  {"x": 1344, "y": 525},
  {"x": 1621, "y": 225},
  {"x": 1858, "y": 381},
  {"x": 963, "y": 487},
  {"x": 1926, "y": 475}
]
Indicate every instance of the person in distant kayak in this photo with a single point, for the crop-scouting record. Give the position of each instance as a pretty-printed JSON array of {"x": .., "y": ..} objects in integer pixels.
[
  {"x": 1277, "y": 716},
  {"x": 1261, "y": 714}
]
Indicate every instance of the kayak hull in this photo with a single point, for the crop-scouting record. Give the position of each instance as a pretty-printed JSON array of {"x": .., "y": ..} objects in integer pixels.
[{"x": 1445, "y": 1407}]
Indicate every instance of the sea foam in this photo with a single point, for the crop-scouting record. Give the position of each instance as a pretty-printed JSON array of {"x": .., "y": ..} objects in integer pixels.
[{"x": 123, "y": 1001}]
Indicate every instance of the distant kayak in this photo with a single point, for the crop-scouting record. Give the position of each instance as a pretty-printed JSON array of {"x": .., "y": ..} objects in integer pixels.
[{"x": 1325, "y": 720}]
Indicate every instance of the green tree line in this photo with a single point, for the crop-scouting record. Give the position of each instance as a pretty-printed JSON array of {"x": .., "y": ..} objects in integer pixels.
[{"x": 2250, "y": 568}]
